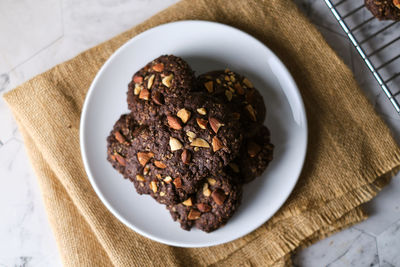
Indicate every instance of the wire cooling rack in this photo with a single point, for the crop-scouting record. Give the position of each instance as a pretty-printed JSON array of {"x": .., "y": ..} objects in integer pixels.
[{"x": 367, "y": 34}]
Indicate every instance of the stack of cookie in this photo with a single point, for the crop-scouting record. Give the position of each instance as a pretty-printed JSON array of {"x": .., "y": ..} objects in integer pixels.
[{"x": 191, "y": 143}]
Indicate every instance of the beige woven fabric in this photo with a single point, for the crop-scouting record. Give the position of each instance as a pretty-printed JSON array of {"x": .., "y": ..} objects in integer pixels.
[{"x": 351, "y": 154}]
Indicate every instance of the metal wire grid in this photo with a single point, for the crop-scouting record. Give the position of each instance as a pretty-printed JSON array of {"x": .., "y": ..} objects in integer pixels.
[{"x": 385, "y": 84}]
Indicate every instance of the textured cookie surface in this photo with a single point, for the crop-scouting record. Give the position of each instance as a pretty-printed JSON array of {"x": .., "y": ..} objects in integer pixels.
[
  {"x": 256, "y": 154},
  {"x": 384, "y": 9},
  {"x": 120, "y": 139},
  {"x": 238, "y": 92},
  {"x": 152, "y": 179},
  {"x": 153, "y": 86},
  {"x": 212, "y": 205},
  {"x": 198, "y": 137}
]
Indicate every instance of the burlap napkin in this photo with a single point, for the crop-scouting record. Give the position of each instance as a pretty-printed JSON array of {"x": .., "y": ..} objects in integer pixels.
[{"x": 351, "y": 153}]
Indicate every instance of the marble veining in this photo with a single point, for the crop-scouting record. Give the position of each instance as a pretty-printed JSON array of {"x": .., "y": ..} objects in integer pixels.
[
  {"x": 389, "y": 244},
  {"x": 52, "y": 31},
  {"x": 4, "y": 81},
  {"x": 361, "y": 252},
  {"x": 25, "y": 237}
]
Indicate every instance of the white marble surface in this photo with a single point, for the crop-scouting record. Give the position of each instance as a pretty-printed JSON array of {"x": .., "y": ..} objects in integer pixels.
[{"x": 36, "y": 35}]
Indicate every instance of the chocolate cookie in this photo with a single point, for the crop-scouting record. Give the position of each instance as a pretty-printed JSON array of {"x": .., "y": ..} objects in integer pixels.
[
  {"x": 384, "y": 9},
  {"x": 119, "y": 140},
  {"x": 211, "y": 206},
  {"x": 239, "y": 93},
  {"x": 197, "y": 137},
  {"x": 153, "y": 86},
  {"x": 153, "y": 180},
  {"x": 256, "y": 153}
]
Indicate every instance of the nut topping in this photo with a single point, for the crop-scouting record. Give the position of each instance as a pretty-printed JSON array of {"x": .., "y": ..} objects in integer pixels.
[
  {"x": 194, "y": 214},
  {"x": 397, "y": 3},
  {"x": 144, "y": 94},
  {"x": 216, "y": 144},
  {"x": 215, "y": 124},
  {"x": 186, "y": 156},
  {"x": 199, "y": 142},
  {"x": 184, "y": 115},
  {"x": 153, "y": 186},
  {"x": 247, "y": 83},
  {"x": 253, "y": 149},
  {"x": 228, "y": 95},
  {"x": 167, "y": 80},
  {"x": 211, "y": 181},
  {"x": 167, "y": 179},
  {"x": 218, "y": 196},
  {"x": 140, "y": 178},
  {"x": 202, "y": 123},
  {"x": 146, "y": 170},
  {"x": 191, "y": 135},
  {"x": 158, "y": 98},
  {"x": 137, "y": 89},
  {"x": 178, "y": 182},
  {"x": 144, "y": 157},
  {"x": 206, "y": 190},
  {"x": 202, "y": 111},
  {"x": 120, "y": 138},
  {"x": 239, "y": 89},
  {"x": 162, "y": 194},
  {"x": 150, "y": 81},
  {"x": 121, "y": 160},
  {"x": 158, "y": 67},
  {"x": 174, "y": 123},
  {"x": 159, "y": 164},
  {"x": 203, "y": 207},
  {"x": 209, "y": 86},
  {"x": 188, "y": 202},
  {"x": 137, "y": 79},
  {"x": 251, "y": 112},
  {"x": 174, "y": 144},
  {"x": 138, "y": 130}
]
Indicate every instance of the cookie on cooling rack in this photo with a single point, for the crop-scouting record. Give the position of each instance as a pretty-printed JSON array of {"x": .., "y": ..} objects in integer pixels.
[{"x": 384, "y": 9}]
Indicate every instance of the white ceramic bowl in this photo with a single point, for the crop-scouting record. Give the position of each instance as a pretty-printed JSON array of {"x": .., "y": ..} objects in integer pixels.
[{"x": 205, "y": 46}]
